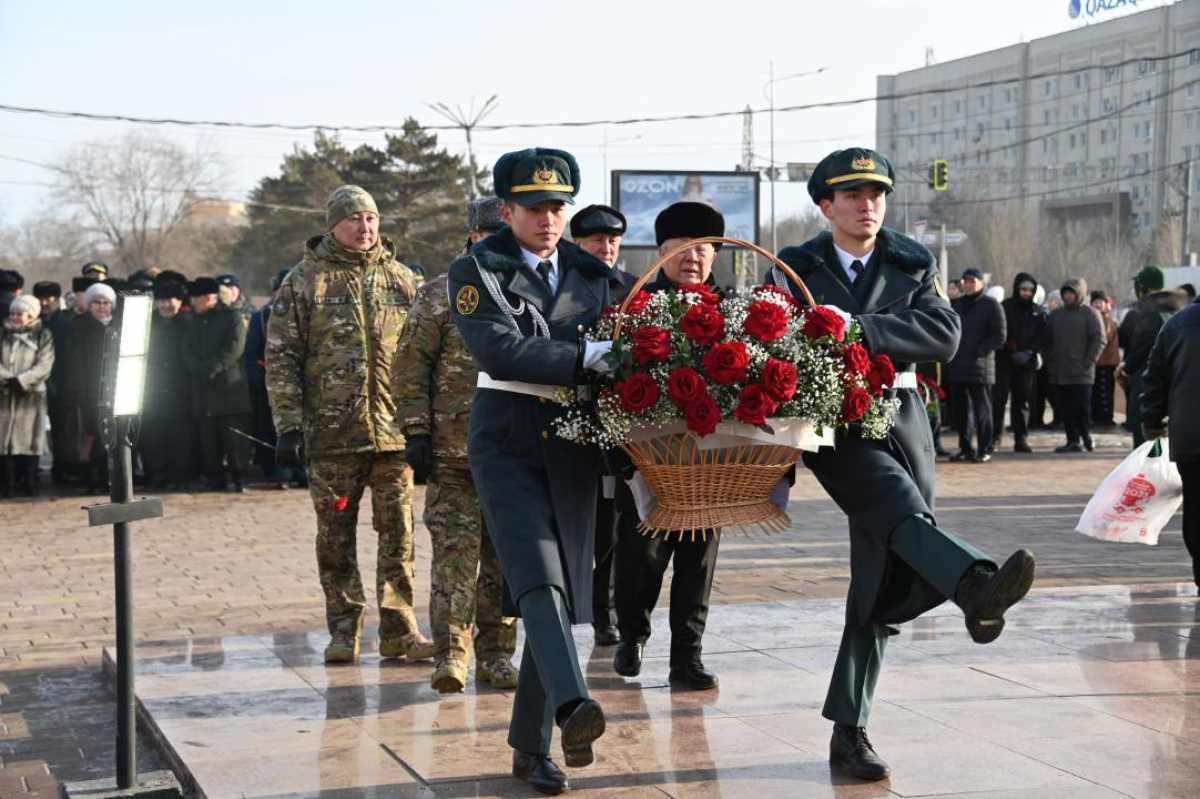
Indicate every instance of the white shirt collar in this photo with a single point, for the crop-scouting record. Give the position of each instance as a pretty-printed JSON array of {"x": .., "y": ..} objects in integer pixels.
[
  {"x": 533, "y": 260},
  {"x": 846, "y": 259}
]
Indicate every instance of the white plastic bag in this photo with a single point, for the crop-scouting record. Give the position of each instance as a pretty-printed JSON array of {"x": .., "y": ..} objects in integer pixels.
[{"x": 1137, "y": 499}]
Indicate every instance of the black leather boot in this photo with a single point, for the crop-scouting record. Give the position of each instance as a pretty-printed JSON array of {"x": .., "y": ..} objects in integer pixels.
[
  {"x": 851, "y": 751},
  {"x": 580, "y": 723},
  {"x": 693, "y": 676},
  {"x": 984, "y": 595},
  {"x": 607, "y": 635},
  {"x": 628, "y": 660},
  {"x": 540, "y": 772}
]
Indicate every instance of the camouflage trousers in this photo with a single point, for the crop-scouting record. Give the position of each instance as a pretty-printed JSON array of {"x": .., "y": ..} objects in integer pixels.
[
  {"x": 467, "y": 585},
  {"x": 332, "y": 479}
]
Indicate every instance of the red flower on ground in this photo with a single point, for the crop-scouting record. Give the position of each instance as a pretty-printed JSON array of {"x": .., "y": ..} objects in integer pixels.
[
  {"x": 726, "y": 363},
  {"x": 638, "y": 303},
  {"x": 856, "y": 358},
  {"x": 685, "y": 386},
  {"x": 767, "y": 321},
  {"x": 881, "y": 375},
  {"x": 703, "y": 324},
  {"x": 754, "y": 405},
  {"x": 856, "y": 404},
  {"x": 702, "y": 416},
  {"x": 779, "y": 379},
  {"x": 707, "y": 295},
  {"x": 821, "y": 321},
  {"x": 651, "y": 344},
  {"x": 339, "y": 504},
  {"x": 638, "y": 392}
]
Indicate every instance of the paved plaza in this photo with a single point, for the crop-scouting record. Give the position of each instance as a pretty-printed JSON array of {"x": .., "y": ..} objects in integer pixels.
[{"x": 1093, "y": 691}]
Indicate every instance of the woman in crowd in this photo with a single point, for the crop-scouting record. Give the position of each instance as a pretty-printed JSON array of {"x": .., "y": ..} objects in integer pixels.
[
  {"x": 81, "y": 384},
  {"x": 26, "y": 358}
]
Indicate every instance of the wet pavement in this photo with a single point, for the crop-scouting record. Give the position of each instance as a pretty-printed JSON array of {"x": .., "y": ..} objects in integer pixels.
[{"x": 1091, "y": 692}]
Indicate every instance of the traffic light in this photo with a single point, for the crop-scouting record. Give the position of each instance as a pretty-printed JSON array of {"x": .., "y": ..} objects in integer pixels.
[{"x": 939, "y": 177}]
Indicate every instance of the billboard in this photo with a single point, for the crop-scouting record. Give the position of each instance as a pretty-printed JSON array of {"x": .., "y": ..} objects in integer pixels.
[{"x": 640, "y": 195}]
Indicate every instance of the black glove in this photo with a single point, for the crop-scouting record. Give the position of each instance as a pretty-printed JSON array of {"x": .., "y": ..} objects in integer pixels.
[
  {"x": 288, "y": 449},
  {"x": 419, "y": 453}
]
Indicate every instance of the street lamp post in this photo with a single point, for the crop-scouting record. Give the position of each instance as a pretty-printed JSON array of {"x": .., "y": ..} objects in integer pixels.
[
  {"x": 769, "y": 90},
  {"x": 467, "y": 120}
]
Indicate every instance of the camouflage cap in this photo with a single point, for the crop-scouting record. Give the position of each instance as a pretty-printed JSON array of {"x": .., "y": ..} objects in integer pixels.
[
  {"x": 483, "y": 213},
  {"x": 346, "y": 201}
]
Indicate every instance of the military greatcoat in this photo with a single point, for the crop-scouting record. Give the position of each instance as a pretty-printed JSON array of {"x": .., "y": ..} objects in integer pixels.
[
  {"x": 538, "y": 491},
  {"x": 904, "y": 315}
]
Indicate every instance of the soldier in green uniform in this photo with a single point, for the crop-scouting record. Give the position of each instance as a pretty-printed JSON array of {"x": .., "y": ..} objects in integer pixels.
[
  {"x": 521, "y": 298},
  {"x": 433, "y": 382},
  {"x": 332, "y": 337},
  {"x": 901, "y": 563}
]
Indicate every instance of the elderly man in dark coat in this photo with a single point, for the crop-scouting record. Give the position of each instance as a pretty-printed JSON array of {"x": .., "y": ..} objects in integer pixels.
[
  {"x": 901, "y": 563},
  {"x": 972, "y": 372},
  {"x": 520, "y": 299},
  {"x": 1075, "y": 335}
]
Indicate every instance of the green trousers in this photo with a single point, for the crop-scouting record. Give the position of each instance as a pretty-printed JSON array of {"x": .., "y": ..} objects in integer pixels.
[{"x": 937, "y": 556}]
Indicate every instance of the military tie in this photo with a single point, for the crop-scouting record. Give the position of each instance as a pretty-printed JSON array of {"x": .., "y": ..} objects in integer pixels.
[
  {"x": 857, "y": 268},
  {"x": 543, "y": 269}
]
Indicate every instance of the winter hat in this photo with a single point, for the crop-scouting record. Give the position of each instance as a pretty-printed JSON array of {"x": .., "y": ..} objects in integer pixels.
[
  {"x": 25, "y": 303},
  {"x": 1149, "y": 279},
  {"x": 46, "y": 288},
  {"x": 98, "y": 291},
  {"x": 347, "y": 201},
  {"x": 204, "y": 285},
  {"x": 170, "y": 290}
]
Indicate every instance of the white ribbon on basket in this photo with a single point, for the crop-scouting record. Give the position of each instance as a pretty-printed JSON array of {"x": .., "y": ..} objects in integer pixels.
[{"x": 792, "y": 432}]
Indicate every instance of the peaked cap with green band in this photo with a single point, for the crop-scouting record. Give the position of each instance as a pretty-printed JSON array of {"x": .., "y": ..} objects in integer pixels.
[
  {"x": 849, "y": 169},
  {"x": 536, "y": 175}
]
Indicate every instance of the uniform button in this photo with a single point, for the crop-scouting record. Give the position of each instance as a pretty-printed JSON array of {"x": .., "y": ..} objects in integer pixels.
[{"x": 545, "y": 434}]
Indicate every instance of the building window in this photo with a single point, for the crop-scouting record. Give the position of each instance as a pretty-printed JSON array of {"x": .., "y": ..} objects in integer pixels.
[
  {"x": 933, "y": 111},
  {"x": 1146, "y": 66},
  {"x": 1008, "y": 123},
  {"x": 1071, "y": 141},
  {"x": 912, "y": 117},
  {"x": 1108, "y": 105},
  {"x": 933, "y": 138},
  {"x": 982, "y": 102},
  {"x": 1049, "y": 88},
  {"x": 958, "y": 106},
  {"x": 1188, "y": 120},
  {"x": 1193, "y": 57},
  {"x": 1075, "y": 111},
  {"x": 1081, "y": 80},
  {"x": 1191, "y": 90},
  {"x": 1046, "y": 117},
  {"x": 1112, "y": 74},
  {"x": 1103, "y": 135}
]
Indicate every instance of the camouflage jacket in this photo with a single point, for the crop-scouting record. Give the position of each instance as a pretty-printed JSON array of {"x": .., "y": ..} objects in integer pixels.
[
  {"x": 433, "y": 378},
  {"x": 332, "y": 337}
]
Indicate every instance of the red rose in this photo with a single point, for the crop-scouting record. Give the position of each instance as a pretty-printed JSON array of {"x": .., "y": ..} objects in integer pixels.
[
  {"x": 651, "y": 343},
  {"x": 779, "y": 379},
  {"x": 339, "y": 504},
  {"x": 767, "y": 321},
  {"x": 685, "y": 385},
  {"x": 637, "y": 393},
  {"x": 638, "y": 303},
  {"x": 707, "y": 295},
  {"x": 777, "y": 291},
  {"x": 726, "y": 363},
  {"x": 754, "y": 405},
  {"x": 702, "y": 416},
  {"x": 856, "y": 404},
  {"x": 881, "y": 375},
  {"x": 608, "y": 310},
  {"x": 703, "y": 324},
  {"x": 856, "y": 358},
  {"x": 820, "y": 321},
  {"x": 261, "y": 363}
]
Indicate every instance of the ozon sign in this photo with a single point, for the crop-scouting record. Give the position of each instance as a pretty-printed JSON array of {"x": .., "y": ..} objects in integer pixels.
[{"x": 1093, "y": 7}]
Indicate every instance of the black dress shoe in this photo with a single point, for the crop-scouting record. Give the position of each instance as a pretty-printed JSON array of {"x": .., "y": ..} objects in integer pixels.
[
  {"x": 540, "y": 772},
  {"x": 983, "y": 458},
  {"x": 1070, "y": 446},
  {"x": 628, "y": 660},
  {"x": 693, "y": 677},
  {"x": 607, "y": 635},
  {"x": 851, "y": 751},
  {"x": 962, "y": 457},
  {"x": 984, "y": 595},
  {"x": 1088, "y": 444},
  {"x": 941, "y": 452},
  {"x": 1022, "y": 446},
  {"x": 583, "y": 724}
]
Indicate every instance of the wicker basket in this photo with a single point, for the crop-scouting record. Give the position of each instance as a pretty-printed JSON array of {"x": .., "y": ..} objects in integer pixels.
[{"x": 701, "y": 489}]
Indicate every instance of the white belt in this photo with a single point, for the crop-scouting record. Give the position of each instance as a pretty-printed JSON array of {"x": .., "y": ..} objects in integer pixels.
[
  {"x": 905, "y": 380},
  {"x": 516, "y": 386}
]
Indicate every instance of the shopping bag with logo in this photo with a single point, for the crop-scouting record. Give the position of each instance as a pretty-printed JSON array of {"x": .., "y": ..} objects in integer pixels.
[{"x": 1137, "y": 499}]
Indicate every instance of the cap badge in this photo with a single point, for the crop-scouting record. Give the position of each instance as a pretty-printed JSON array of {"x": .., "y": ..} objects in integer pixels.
[
  {"x": 545, "y": 176},
  {"x": 863, "y": 164}
]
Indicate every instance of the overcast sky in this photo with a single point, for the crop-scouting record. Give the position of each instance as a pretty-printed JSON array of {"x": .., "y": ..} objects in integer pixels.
[{"x": 377, "y": 63}]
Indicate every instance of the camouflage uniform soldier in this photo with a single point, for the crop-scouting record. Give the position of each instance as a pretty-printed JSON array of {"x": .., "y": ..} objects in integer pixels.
[
  {"x": 433, "y": 382},
  {"x": 332, "y": 336}
]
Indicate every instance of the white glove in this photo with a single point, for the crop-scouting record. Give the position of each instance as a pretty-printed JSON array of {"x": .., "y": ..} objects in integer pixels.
[
  {"x": 847, "y": 318},
  {"x": 593, "y": 357}
]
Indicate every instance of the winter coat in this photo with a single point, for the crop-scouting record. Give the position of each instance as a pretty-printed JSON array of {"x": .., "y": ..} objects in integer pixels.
[
  {"x": 983, "y": 332},
  {"x": 1075, "y": 336},
  {"x": 59, "y": 325},
  {"x": 331, "y": 341},
  {"x": 1025, "y": 326},
  {"x": 1151, "y": 312},
  {"x": 27, "y": 355},
  {"x": 1111, "y": 354},
  {"x": 167, "y": 393},
  {"x": 81, "y": 382},
  {"x": 212, "y": 351},
  {"x": 538, "y": 491},
  {"x": 1171, "y": 384}
]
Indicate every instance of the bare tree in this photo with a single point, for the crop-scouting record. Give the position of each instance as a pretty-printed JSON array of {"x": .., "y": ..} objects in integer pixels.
[
  {"x": 136, "y": 190},
  {"x": 46, "y": 249}
]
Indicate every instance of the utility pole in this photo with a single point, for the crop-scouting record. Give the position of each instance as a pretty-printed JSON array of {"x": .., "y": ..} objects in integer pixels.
[
  {"x": 467, "y": 120},
  {"x": 1187, "y": 214},
  {"x": 769, "y": 90}
]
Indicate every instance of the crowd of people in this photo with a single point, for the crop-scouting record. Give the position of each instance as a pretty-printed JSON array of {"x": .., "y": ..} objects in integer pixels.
[
  {"x": 206, "y": 419},
  {"x": 1068, "y": 351}
]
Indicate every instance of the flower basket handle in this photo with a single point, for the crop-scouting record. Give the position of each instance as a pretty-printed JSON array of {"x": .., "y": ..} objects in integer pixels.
[{"x": 644, "y": 279}]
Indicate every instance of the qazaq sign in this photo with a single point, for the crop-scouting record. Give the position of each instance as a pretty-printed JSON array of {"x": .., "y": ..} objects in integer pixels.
[{"x": 1093, "y": 7}]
